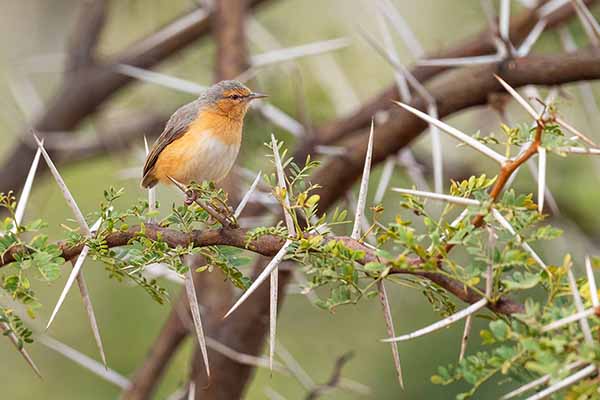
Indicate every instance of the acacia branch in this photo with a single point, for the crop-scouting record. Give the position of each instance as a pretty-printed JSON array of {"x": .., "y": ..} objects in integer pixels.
[
  {"x": 266, "y": 245},
  {"x": 460, "y": 90}
]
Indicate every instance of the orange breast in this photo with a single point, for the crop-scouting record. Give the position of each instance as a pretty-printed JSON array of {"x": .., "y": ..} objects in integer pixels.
[{"x": 207, "y": 151}]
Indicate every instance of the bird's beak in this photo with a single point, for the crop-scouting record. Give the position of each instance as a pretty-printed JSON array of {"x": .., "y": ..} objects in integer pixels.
[{"x": 255, "y": 95}]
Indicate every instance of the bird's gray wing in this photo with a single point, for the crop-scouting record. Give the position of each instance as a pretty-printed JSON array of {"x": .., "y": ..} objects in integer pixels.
[{"x": 175, "y": 128}]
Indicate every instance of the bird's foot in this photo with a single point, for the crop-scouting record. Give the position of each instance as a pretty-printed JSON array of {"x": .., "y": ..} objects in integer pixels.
[{"x": 190, "y": 197}]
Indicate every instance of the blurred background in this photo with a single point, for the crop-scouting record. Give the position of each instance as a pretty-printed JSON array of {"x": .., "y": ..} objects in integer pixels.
[{"x": 33, "y": 40}]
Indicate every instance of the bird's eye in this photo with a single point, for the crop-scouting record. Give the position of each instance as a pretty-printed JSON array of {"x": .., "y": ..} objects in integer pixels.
[{"x": 235, "y": 97}]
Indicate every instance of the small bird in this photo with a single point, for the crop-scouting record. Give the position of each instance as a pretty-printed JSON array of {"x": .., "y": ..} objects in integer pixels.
[{"x": 201, "y": 139}]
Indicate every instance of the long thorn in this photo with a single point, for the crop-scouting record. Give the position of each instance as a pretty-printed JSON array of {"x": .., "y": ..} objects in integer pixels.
[
  {"x": 87, "y": 232},
  {"x": 568, "y": 381},
  {"x": 524, "y": 103},
  {"x": 389, "y": 324},
  {"x": 463, "y": 137},
  {"x": 437, "y": 196},
  {"x": 540, "y": 381},
  {"x": 24, "y": 197},
  {"x": 262, "y": 277},
  {"x": 190, "y": 290},
  {"x": 246, "y": 198},
  {"x": 591, "y": 282},
  {"x": 541, "y": 177},
  {"x": 583, "y": 322},
  {"x": 364, "y": 187},
  {"x": 472, "y": 309},
  {"x": 88, "y": 363}
]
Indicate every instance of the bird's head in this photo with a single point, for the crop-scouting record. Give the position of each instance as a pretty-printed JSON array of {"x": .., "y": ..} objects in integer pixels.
[{"x": 230, "y": 98}]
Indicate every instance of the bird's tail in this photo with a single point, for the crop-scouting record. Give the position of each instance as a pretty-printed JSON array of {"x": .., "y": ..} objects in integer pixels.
[{"x": 149, "y": 181}]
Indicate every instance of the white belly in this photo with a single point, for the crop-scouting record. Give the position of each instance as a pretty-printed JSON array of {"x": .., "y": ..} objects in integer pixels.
[{"x": 210, "y": 159}]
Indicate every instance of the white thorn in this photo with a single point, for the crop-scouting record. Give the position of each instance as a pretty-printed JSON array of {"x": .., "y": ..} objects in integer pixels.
[
  {"x": 292, "y": 53},
  {"x": 578, "y": 150},
  {"x": 263, "y": 275},
  {"x": 402, "y": 28},
  {"x": 574, "y": 131},
  {"x": 532, "y": 38},
  {"x": 505, "y": 19},
  {"x": 85, "y": 361},
  {"x": 472, "y": 309},
  {"x": 590, "y": 25},
  {"x": 504, "y": 222},
  {"x": 568, "y": 320},
  {"x": 64, "y": 189},
  {"x": 399, "y": 77},
  {"x": 437, "y": 196},
  {"x": 389, "y": 323},
  {"x": 70, "y": 280},
  {"x": 590, "y": 369},
  {"x": 364, "y": 188},
  {"x": 540, "y": 381},
  {"x": 550, "y": 7},
  {"x": 331, "y": 150},
  {"x": 273, "y": 315},
  {"x": 541, "y": 177},
  {"x": 463, "y": 137},
  {"x": 190, "y": 290},
  {"x": 158, "y": 78},
  {"x": 89, "y": 309},
  {"x": 583, "y": 322},
  {"x": 24, "y": 197},
  {"x": 242, "y": 205},
  {"x": 384, "y": 180},
  {"x": 460, "y": 61},
  {"x": 524, "y": 103},
  {"x": 295, "y": 368},
  {"x": 436, "y": 151},
  {"x": 278, "y": 117},
  {"x": 289, "y": 221},
  {"x": 591, "y": 282},
  {"x": 73, "y": 275},
  {"x": 414, "y": 170}
]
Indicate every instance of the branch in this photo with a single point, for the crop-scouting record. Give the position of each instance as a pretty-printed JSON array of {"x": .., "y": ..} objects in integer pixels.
[
  {"x": 462, "y": 89},
  {"x": 266, "y": 245},
  {"x": 86, "y": 35},
  {"x": 334, "y": 381}
]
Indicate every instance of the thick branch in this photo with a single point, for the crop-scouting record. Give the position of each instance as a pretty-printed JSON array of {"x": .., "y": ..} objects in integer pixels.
[
  {"x": 462, "y": 89},
  {"x": 267, "y": 245},
  {"x": 86, "y": 34}
]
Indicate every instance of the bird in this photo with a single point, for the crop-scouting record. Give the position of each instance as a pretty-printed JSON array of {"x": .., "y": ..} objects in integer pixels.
[{"x": 202, "y": 139}]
